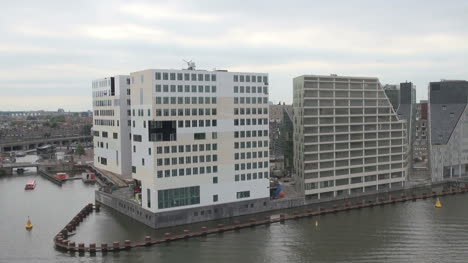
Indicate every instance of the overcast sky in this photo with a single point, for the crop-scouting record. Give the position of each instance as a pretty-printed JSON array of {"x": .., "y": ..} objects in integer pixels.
[{"x": 50, "y": 51}]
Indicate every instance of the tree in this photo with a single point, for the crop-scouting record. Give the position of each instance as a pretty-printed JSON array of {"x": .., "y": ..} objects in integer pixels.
[
  {"x": 87, "y": 129},
  {"x": 80, "y": 150}
]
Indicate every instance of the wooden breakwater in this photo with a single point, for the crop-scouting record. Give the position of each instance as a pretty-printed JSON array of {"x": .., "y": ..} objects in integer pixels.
[
  {"x": 62, "y": 242},
  {"x": 49, "y": 177}
]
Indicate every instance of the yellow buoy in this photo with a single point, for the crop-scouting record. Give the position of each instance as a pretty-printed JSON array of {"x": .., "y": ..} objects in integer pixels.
[
  {"x": 29, "y": 224},
  {"x": 438, "y": 204},
  {"x": 316, "y": 223}
]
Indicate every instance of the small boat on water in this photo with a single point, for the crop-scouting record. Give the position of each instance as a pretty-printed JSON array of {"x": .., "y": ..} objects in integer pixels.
[
  {"x": 20, "y": 170},
  {"x": 30, "y": 185},
  {"x": 20, "y": 154},
  {"x": 88, "y": 177},
  {"x": 61, "y": 176},
  {"x": 29, "y": 225}
]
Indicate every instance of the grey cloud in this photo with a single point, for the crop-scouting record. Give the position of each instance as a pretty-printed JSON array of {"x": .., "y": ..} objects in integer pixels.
[{"x": 49, "y": 48}]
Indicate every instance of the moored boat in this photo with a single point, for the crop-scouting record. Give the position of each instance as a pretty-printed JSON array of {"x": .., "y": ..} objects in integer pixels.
[
  {"x": 61, "y": 176},
  {"x": 30, "y": 185},
  {"x": 88, "y": 177}
]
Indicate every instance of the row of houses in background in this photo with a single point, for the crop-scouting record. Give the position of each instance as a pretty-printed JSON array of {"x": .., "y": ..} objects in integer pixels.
[
  {"x": 203, "y": 144},
  {"x": 20, "y": 131}
]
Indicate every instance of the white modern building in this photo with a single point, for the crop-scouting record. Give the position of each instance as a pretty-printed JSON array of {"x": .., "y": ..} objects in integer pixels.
[
  {"x": 347, "y": 137},
  {"x": 111, "y": 125},
  {"x": 199, "y": 140}
]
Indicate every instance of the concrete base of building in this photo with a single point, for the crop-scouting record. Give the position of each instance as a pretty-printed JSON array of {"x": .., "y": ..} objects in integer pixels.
[
  {"x": 193, "y": 215},
  {"x": 213, "y": 212}
]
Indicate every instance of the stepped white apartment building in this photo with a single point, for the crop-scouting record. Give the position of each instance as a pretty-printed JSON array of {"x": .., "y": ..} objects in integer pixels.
[
  {"x": 111, "y": 124},
  {"x": 347, "y": 137},
  {"x": 199, "y": 139}
]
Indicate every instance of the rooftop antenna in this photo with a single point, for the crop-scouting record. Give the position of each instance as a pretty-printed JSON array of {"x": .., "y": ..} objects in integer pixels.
[{"x": 190, "y": 64}]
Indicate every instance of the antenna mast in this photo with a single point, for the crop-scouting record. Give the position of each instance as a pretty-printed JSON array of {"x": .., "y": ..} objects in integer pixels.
[{"x": 190, "y": 64}]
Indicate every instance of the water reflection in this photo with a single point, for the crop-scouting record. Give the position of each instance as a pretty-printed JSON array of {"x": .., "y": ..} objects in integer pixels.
[{"x": 405, "y": 232}]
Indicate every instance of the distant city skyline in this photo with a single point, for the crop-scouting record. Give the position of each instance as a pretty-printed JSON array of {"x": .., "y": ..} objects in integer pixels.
[{"x": 49, "y": 61}]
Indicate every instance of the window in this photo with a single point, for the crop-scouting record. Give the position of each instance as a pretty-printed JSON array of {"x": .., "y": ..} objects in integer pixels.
[
  {"x": 244, "y": 194},
  {"x": 215, "y": 198},
  {"x": 148, "y": 197},
  {"x": 178, "y": 197},
  {"x": 215, "y": 180}
]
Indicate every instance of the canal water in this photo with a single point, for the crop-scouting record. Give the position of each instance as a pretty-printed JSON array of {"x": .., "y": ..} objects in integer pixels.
[{"x": 405, "y": 232}]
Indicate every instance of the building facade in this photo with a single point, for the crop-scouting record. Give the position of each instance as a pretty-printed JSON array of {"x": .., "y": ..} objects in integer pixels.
[
  {"x": 420, "y": 149},
  {"x": 393, "y": 94},
  {"x": 347, "y": 137},
  {"x": 199, "y": 139},
  {"x": 407, "y": 111},
  {"x": 111, "y": 124},
  {"x": 448, "y": 129},
  {"x": 281, "y": 130}
]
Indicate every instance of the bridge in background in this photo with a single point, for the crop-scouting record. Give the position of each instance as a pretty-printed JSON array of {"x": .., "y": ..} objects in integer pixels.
[
  {"x": 25, "y": 144},
  {"x": 58, "y": 166}
]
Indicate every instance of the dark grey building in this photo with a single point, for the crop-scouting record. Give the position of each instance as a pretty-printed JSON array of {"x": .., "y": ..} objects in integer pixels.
[
  {"x": 407, "y": 111},
  {"x": 448, "y": 129},
  {"x": 403, "y": 100},
  {"x": 393, "y": 94}
]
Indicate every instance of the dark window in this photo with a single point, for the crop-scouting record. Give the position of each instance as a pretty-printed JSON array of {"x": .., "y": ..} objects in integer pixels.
[
  {"x": 199, "y": 136},
  {"x": 162, "y": 131}
]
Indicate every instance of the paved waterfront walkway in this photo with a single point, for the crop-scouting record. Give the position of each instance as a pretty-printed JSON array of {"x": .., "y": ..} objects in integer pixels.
[{"x": 117, "y": 180}]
